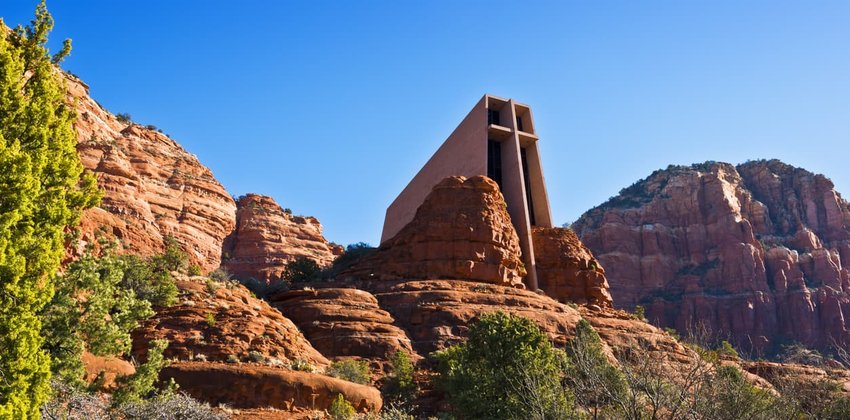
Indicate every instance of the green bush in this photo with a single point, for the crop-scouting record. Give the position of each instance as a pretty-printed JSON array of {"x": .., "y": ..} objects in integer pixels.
[
  {"x": 124, "y": 117},
  {"x": 90, "y": 310},
  {"x": 140, "y": 385},
  {"x": 301, "y": 365},
  {"x": 301, "y": 269},
  {"x": 150, "y": 281},
  {"x": 356, "y": 371},
  {"x": 341, "y": 409},
  {"x": 194, "y": 270},
  {"x": 400, "y": 386},
  {"x": 210, "y": 319},
  {"x": 595, "y": 382},
  {"x": 505, "y": 370},
  {"x": 640, "y": 313}
]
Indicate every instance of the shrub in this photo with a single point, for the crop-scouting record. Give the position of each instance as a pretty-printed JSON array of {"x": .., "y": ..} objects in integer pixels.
[
  {"x": 400, "y": 386},
  {"x": 194, "y": 270},
  {"x": 124, "y": 117},
  {"x": 640, "y": 313},
  {"x": 727, "y": 350},
  {"x": 150, "y": 282},
  {"x": 140, "y": 385},
  {"x": 301, "y": 365},
  {"x": 256, "y": 357},
  {"x": 220, "y": 275},
  {"x": 594, "y": 381},
  {"x": 301, "y": 269},
  {"x": 212, "y": 286},
  {"x": 506, "y": 369},
  {"x": 232, "y": 358},
  {"x": 341, "y": 409},
  {"x": 171, "y": 406},
  {"x": 210, "y": 319},
  {"x": 356, "y": 371},
  {"x": 151, "y": 127},
  {"x": 90, "y": 310}
]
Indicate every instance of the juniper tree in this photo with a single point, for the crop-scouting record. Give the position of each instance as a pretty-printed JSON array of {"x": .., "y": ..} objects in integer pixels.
[{"x": 42, "y": 192}]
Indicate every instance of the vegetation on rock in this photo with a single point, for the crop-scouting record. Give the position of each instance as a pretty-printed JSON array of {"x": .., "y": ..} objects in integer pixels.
[{"x": 43, "y": 192}]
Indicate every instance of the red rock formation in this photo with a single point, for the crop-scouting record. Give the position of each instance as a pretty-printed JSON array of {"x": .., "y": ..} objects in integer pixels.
[
  {"x": 251, "y": 386},
  {"x": 754, "y": 251},
  {"x": 566, "y": 269},
  {"x": 462, "y": 231},
  {"x": 218, "y": 322},
  {"x": 344, "y": 322},
  {"x": 152, "y": 187},
  {"x": 267, "y": 238},
  {"x": 105, "y": 369}
]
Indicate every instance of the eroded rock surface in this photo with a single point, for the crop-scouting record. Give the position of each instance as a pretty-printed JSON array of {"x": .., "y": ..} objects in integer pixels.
[
  {"x": 153, "y": 188},
  {"x": 461, "y": 231},
  {"x": 344, "y": 322},
  {"x": 212, "y": 322},
  {"x": 267, "y": 238},
  {"x": 756, "y": 251},
  {"x": 566, "y": 269},
  {"x": 252, "y": 386}
]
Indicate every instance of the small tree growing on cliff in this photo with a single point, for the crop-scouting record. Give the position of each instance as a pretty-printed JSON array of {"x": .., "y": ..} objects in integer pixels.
[{"x": 43, "y": 191}]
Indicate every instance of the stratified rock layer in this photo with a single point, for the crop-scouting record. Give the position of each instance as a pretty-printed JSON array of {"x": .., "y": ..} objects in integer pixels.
[
  {"x": 251, "y": 386},
  {"x": 566, "y": 269},
  {"x": 755, "y": 251},
  {"x": 344, "y": 322},
  {"x": 224, "y": 322},
  {"x": 461, "y": 231},
  {"x": 153, "y": 188},
  {"x": 267, "y": 238}
]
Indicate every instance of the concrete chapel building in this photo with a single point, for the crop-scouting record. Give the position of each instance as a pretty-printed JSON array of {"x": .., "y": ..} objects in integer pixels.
[{"x": 496, "y": 139}]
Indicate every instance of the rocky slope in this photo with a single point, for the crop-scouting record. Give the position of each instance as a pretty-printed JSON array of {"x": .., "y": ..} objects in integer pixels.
[
  {"x": 267, "y": 238},
  {"x": 152, "y": 187},
  {"x": 754, "y": 251}
]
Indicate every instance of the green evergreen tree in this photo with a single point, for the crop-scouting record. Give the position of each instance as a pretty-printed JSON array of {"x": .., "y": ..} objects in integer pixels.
[
  {"x": 92, "y": 310},
  {"x": 43, "y": 192},
  {"x": 508, "y": 369}
]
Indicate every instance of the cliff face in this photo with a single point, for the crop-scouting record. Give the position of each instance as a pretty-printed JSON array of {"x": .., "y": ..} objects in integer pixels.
[
  {"x": 267, "y": 238},
  {"x": 755, "y": 251},
  {"x": 152, "y": 187}
]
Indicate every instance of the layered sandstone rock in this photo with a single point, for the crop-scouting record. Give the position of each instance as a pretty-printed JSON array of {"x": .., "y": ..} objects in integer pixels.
[
  {"x": 267, "y": 238},
  {"x": 218, "y": 322},
  {"x": 344, "y": 322},
  {"x": 461, "y": 231},
  {"x": 566, "y": 269},
  {"x": 754, "y": 251},
  {"x": 152, "y": 187},
  {"x": 252, "y": 386}
]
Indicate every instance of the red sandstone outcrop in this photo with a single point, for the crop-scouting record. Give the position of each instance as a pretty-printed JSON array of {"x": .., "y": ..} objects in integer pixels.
[
  {"x": 251, "y": 386},
  {"x": 344, "y": 322},
  {"x": 754, "y": 251},
  {"x": 224, "y": 322},
  {"x": 105, "y": 369},
  {"x": 462, "y": 231},
  {"x": 267, "y": 238},
  {"x": 152, "y": 187},
  {"x": 566, "y": 269}
]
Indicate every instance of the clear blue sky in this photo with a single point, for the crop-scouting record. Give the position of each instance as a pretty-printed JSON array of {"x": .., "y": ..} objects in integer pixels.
[{"x": 332, "y": 106}]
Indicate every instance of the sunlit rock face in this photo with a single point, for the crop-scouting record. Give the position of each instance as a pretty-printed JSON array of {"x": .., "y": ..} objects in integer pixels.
[{"x": 755, "y": 252}]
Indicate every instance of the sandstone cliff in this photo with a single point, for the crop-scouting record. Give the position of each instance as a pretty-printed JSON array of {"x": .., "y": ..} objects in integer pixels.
[
  {"x": 755, "y": 251},
  {"x": 267, "y": 238},
  {"x": 152, "y": 187}
]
